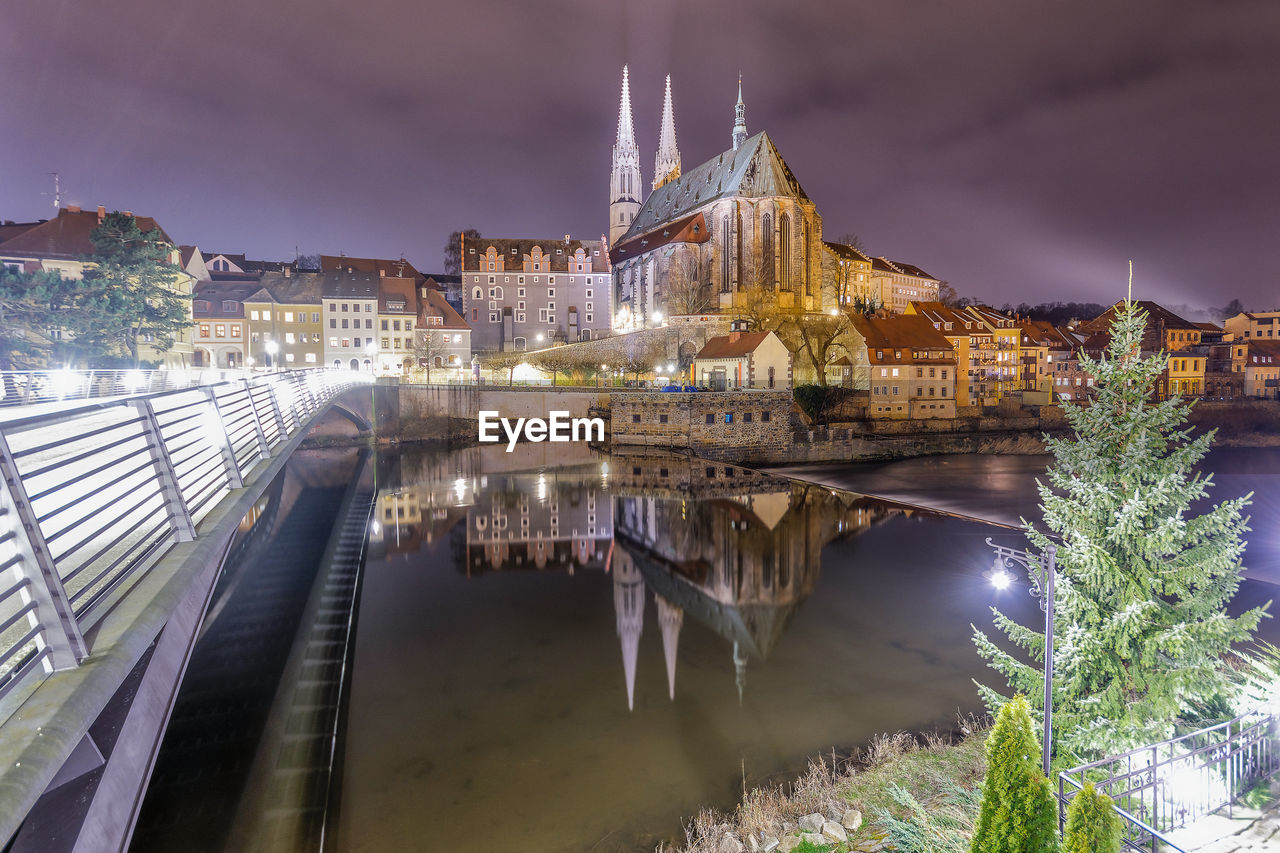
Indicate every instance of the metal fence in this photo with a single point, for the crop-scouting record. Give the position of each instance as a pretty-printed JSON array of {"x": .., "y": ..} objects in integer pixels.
[
  {"x": 28, "y": 387},
  {"x": 1163, "y": 787},
  {"x": 94, "y": 496}
]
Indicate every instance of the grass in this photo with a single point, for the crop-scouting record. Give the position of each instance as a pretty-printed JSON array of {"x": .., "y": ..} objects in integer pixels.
[{"x": 937, "y": 773}]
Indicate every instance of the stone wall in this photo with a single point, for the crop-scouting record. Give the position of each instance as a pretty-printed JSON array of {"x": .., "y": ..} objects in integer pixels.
[{"x": 741, "y": 425}]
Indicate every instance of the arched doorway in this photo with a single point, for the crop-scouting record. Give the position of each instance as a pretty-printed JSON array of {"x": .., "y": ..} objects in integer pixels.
[{"x": 355, "y": 364}]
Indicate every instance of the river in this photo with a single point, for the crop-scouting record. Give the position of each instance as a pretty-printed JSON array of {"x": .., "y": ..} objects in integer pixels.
[{"x": 576, "y": 652}]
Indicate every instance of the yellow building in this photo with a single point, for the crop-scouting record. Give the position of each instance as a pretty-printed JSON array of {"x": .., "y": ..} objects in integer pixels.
[
  {"x": 1006, "y": 348},
  {"x": 284, "y": 321},
  {"x": 1185, "y": 375}
]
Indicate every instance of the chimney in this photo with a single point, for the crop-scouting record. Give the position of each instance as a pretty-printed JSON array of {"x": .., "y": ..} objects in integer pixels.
[
  {"x": 128, "y": 213},
  {"x": 102, "y": 214},
  {"x": 733, "y": 337},
  {"x": 73, "y": 208}
]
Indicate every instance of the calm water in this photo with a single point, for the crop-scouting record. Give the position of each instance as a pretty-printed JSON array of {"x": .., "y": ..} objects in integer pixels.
[{"x": 575, "y": 652}]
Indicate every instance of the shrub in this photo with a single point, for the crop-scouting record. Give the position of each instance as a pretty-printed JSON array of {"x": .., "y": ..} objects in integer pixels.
[
  {"x": 817, "y": 401},
  {"x": 1092, "y": 824},
  {"x": 1018, "y": 813}
]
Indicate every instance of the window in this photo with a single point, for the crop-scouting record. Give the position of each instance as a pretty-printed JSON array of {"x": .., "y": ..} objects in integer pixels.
[
  {"x": 228, "y": 305},
  {"x": 520, "y": 317},
  {"x": 635, "y": 419},
  {"x": 204, "y": 330},
  {"x": 358, "y": 342},
  {"x": 385, "y": 342},
  {"x": 588, "y": 293},
  {"x": 288, "y": 316},
  {"x": 289, "y": 338},
  {"x": 346, "y": 307},
  {"x": 235, "y": 330},
  {"x": 310, "y": 358},
  {"x": 346, "y": 323},
  {"x": 384, "y": 325},
  {"x": 764, "y": 417},
  {"x": 711, "y": 419},
  {"x": 662, "y": 419},
  {"x": 333, "y": 342},
  {"x": 746, "y": 417},
  {"x": 253, "y": 315},
  {"x": 315, "y": 316},
  {"x": 368, "y": 324},
  {"x": 333, "y": 323},
  {"x": 728, "y": 417},
  {"x": 493, "y": 316}
]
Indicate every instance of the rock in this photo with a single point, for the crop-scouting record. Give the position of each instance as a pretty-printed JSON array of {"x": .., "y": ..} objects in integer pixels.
[
  {"x": 817, "y": 839},
  {"x": 834, "y": 831},
  {"x": 851, "y": 820},
  {"x": 730, "y": 844},
  {"x": 752, "y": 844},
  {"x": 769, "y": 845},
  {"x": 812, "y": 822},
  {"x": 788, "y": 843}
]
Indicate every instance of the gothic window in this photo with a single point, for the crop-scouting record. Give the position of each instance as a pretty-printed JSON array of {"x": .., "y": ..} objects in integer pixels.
[
  {"x": 741, "y": 240},
  {"x": 804, "y": 254},
  {"x": 766, "y": 250},
  {"x": 784, "y": 241},
  {"x": 724, "y": 255}
]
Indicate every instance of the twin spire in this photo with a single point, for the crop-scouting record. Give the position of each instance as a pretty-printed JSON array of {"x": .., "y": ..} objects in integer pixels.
[
  {"x": 666, "y": 165},
  {"x": 626, "y": 172}
]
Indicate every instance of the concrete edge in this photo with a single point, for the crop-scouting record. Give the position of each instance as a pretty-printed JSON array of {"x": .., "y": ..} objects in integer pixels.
[{"x": 49, "y": 724}]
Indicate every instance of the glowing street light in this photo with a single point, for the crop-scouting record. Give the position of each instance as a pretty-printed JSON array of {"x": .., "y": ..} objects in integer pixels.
[
  {"x": 657, "y": 317},
  {"x": 1041, "y": 569},
  {"x": 272, "y": 348}
]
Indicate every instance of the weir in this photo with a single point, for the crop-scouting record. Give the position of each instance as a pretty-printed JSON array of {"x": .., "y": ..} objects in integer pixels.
[{"x": 115, "y": 518}]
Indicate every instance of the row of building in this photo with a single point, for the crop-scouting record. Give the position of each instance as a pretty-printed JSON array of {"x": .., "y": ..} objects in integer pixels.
[
  {"x": 937, "y": 361},
  {"x": 363, "y": 313}
]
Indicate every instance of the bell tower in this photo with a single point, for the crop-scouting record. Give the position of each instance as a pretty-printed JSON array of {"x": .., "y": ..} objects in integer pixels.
[{"x": 625, "y": 193}]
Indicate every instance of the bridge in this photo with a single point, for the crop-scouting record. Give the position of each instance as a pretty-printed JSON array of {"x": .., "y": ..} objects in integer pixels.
[{"x": 116, "y": 512}]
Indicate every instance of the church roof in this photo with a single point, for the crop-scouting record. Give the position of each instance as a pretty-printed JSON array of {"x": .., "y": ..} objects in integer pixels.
[
  {"x": 687, "y": 229},
  {"x": 755, "y": 170}
]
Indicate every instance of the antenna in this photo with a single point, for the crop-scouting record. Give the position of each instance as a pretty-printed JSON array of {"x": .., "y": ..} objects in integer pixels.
[{"x": 57, "y": 190}]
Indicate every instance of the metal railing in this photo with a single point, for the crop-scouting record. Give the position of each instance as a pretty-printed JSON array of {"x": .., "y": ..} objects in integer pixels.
[
  {"x": 1166, "y": 786},
  {"x": 28, "y": 387},
  {"x": 92, "y": 497}
]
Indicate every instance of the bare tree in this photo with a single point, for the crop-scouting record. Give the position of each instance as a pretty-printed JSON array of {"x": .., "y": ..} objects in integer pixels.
[
  {"x": 849, "y": 238},
  {"x": 687, "y": 293},
  {"x": 947, "y": 294},
  {"x": 820, "y": 337},
  {"x": 427, "y": 345}
]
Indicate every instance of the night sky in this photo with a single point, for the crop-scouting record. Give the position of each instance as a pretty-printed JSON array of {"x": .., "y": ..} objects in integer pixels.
[{"x": 1022, "y": 151}]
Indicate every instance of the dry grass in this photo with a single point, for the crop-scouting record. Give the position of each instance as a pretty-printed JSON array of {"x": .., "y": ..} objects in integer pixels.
[{"x": 830, "y": 785}]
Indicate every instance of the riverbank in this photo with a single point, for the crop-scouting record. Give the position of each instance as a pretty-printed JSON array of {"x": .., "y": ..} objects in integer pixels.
[{"x": 840, "y": 805}]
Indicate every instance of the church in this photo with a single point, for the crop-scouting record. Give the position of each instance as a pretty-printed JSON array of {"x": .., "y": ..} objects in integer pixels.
[{"x": 735, "y": 223}]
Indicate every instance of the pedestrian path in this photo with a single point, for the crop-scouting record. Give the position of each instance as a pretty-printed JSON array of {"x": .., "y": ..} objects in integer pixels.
[{"x": 1246, "y": 831}]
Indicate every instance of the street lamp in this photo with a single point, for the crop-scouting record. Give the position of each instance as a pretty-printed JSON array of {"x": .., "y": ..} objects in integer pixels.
[
  {"x": 1041, "y": 569},
  {"x": 272, "y": 349},
  {"x": 371, "y": 349}
]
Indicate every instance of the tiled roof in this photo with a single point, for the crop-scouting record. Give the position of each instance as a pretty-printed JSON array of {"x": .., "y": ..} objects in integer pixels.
[
  {"x": 1156, "y": 314},
  {"x": 434, "y": 305},
  {"x": 735, "y": 345},
  {"x": 755, "y": 170},
  {"x": 844, "y": 250},
  {"x": 354, "y": 285},
  {"x": 901, "y": 331},
  {"x": 557, "y": 252},
  {"x": 215, "y": 294},
  {"x": 303, "y": 288},
  {"x": 938, "y": 313},
  {"x": 399, "y": 268},
  {"x": 66, "y": 237},
  {"x": 689, "y": 229},
  {"x": 403, "y": 290},
  {"x": 911, "y": 269}
]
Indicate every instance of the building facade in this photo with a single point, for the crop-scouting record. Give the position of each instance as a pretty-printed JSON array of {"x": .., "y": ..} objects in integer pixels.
[
  {"x": 743, "y": 360},
  {"x": 349, "y": 315},
  {"x": 529, "y": 294},
  {"x": 913, "y": 367}
]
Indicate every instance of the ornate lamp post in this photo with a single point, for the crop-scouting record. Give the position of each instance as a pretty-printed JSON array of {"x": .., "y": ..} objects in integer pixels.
[{"x": 1041, "y": 569}]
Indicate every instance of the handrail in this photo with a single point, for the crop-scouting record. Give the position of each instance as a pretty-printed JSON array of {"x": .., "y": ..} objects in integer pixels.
[
  {"x": 1143, "y": 827},
  {"x": 93, "y": 496},
  {"x": 29, "y": 387},
  {"x": 1165, "y": 786}
]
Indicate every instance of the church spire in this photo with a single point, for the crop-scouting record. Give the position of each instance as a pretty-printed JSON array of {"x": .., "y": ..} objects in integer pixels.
[
  {"x": 625, "y": 192},
  {"x": 666, "y": 165},
  {"x": 739, "y": 118}
]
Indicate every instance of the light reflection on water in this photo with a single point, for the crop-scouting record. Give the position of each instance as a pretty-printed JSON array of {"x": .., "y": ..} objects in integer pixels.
[{"x": 561, "y": 658}]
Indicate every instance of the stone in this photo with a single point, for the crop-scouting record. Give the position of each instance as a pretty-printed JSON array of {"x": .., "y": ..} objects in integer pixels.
[
  {"x": 730, "y": 844},
  {"x": 769, "y": 845},
  {"x": 752, "y": 844},
  {"x": 817, "y": 839},
  {"x": 834, "y": 831},
  {"x": 812, "y": 822},
  {"x": 788, "y": 843},
  {"x": 851, "y": 819}
]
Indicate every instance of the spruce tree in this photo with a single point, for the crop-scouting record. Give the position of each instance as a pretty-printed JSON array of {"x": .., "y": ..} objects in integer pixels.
[
  {"x": 1141, "y": 630},
  {"x": 1018, "y": 814},
  {"x": 1092, "y": 824}
]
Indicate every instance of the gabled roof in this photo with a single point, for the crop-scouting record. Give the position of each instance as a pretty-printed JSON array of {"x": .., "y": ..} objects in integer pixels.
[
  {"x": 901, "y": 331},
  {"x": 382, "y": 266},
  {"x": 846, "y": 251},
  {"x": 66, "y": 237},
  {"x": 908, "y": 269},
  {"x": 941, "y": 314},
  {"x": 1157, "y": 314},
  {"x": 402, "y": 290},
  {"x": 215, "y": 293},
  {"x": 434, "y": 305},
  {"x": 10, "y": 229},
  {"x": 1054, "y": 337},
  {"x": 733, "y": 345},
  {"x": 350, "y": 285},
  {"x": 689, "y": 229},
  {"x": 302, "y": 288},
  {"x": 755, "y": 170}
]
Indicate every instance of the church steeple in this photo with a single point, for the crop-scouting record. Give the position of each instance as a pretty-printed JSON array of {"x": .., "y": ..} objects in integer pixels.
[
  {"x": 625, "y": 192},
  {"x": 666, "y": 165},
  {"x": 739, "y": 118}
]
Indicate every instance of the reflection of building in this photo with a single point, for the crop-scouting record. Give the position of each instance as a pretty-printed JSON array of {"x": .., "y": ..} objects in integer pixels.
[
  {"x": 553, "y": 521},
  {"x": 628, "y": 606}
]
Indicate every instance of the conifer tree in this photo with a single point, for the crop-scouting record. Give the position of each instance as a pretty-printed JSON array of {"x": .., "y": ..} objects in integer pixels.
[
  {"x": 1092, "y": 824},
  {"x": 1142, "y": 630},
  {"x": 1018, "y": 813}
]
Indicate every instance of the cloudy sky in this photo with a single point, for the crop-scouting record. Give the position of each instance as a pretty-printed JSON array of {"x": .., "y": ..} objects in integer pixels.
[{"x": 1022, "y": 151}]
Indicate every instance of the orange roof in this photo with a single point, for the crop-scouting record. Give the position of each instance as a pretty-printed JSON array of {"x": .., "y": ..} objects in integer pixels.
[
  {"x": 434, "y": 305},
  {"x": 733, "y": 345},
  {"x": 398, "y": 268},
  {"x": 901, "y": 331},
  {"x": 398, "y": 290},
  {"x": 67, "y": 236}
]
